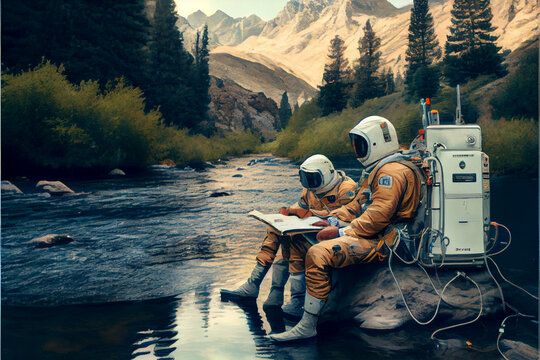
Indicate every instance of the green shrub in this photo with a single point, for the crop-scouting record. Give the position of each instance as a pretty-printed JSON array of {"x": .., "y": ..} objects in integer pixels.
[
  {"x": 306, "y": 113},
  {"x": 329, "y": 135},
  {"x": 518, "y": 97},
  {"x": 49, "y": 123},
  {"x": 512, "y": 145}
]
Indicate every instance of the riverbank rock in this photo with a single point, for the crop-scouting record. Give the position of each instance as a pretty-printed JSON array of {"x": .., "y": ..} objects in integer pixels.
[
  {"x": 368, "y": 294},
  {"x": 167, "y": 162},
  {"x": 517, "y": 350},
  {"x": 55, "y": 188},
  {"x": 9, "y": 189},
  {"x": 220, "y": 193},
  {"x": 117, "y": 172},
  {"x": 51, "y": 240},
  {"x": 262, "y": 160}
]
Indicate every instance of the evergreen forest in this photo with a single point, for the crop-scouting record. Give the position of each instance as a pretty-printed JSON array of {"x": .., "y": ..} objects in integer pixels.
[
  {"x": 99, "y": 84},
  {"x": 499, "y": 89},
  {"x": 92, "y": 85}
]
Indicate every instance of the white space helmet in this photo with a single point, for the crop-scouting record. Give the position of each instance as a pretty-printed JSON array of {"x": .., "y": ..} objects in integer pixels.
[
  {"x": 372, "y": 139},
  {"x": 318, "y": 174}
]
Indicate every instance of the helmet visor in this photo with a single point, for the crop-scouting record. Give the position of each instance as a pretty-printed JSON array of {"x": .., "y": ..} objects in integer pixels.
[
  {"x": 310, "y": 180},
  {"x": 360, "y": 145}
]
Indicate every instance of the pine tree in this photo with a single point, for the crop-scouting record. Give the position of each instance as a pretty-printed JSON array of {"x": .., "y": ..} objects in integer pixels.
[
  {"x": 470, "y": 49},
  {"x": 170, "y": 87},
  {"x": 285, "y": 112},
  {"x": 389, "y": 83},
  {"x": 398, "y": 81},
  {"x": 22, "y": 25},
  {"x": 201, "y": 82},
  {"x": 422, "y": 51},
  {"x": 333, "y": 94},
  {"x": 94, "y": 40},
  {"x": 426, "y": 81},
  {"x": 368, "y": 83}
]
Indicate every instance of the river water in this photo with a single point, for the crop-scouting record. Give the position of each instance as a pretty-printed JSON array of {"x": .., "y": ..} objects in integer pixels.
[{"x": 142, "y": 278}]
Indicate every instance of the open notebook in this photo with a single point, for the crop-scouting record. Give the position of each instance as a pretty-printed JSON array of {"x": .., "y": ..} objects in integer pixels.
[{"x": 288, "y": 225}]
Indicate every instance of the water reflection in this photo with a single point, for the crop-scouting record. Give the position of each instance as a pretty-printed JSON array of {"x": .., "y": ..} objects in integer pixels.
[
  {"x": 105, "y": 331},
  {"x": 162, "y": 234}
]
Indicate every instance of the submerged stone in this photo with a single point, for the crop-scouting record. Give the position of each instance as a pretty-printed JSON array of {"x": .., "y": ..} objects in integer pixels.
[
  {"x": 168, "y": 162},
  {"x": 9, "y": 189},
  {"x": 117, "y": 172},
  {"x": 51, "y": 240},
  {"x": 237, "y": 175},
  {"x": 56, "y": 188},
  {"x": 220, "y": 193}
]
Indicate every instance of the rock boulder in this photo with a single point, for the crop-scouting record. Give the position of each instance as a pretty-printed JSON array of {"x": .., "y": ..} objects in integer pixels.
[
  {"x": 55, "y": 188},
  {"x": 9, "y": 189},
  {"x": 237, "y": 109},
  {"x": 168, "y": 162},
  {"x": 368, "y": 294},
  {"x": 220, "y": 194},
  {"x": 117, "y": 172},
  {"x": 51, "y": 240},
  {"x": 517, "y": 350}
]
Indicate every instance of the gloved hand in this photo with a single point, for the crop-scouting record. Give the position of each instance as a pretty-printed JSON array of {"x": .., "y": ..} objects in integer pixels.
[
  {"x": 301, "y": 213},
  {"x": 329, "y": 221},
  {"x": 322, "y": 222},
  {"x": 330, "y": 232},
  {"x": 285, "y": 211}
]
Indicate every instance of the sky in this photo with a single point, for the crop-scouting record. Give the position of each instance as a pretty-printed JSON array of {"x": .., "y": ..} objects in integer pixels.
[{"x": 265, "y": 9}]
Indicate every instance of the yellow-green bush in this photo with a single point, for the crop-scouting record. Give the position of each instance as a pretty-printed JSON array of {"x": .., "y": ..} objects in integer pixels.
[
  {"x": 512, "y": 145},
  {"x": 183, "y": 148},
  {"x": 49, "y": 123},
  {"x": 329, "y": 135}
]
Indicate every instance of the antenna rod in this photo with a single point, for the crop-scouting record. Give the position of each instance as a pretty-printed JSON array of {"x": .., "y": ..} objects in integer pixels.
[
  {"x": 459, "y": 119},
  {"x": 425, "y": 121}
]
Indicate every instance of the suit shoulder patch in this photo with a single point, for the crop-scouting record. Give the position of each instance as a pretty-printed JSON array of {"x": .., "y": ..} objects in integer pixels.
[{"x": 385, "y": 181}]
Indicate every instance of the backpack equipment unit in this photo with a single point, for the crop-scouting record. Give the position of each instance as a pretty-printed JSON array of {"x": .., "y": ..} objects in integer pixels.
[{"x": 458, "y": 215}]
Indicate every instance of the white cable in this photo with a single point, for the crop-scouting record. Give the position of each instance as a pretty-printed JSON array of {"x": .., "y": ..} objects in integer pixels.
[
  {"x": 509, "y": 240},
  {"x": 499, "y": 270},
  {"x": 405, "y": 301},
  {"x": 496, "y": 282},
  {"x": 467, "y": 322},
  {"x": 494, "y": 239},
  {"x": 509, "y": 282},
  {"x": 499, "y": 348},
  {"x": 501, "y": 330}
]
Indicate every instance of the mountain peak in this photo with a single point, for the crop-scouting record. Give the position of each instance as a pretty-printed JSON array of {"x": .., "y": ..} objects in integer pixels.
[
  {"x": 379, "y": 8},
  {"x": 197, "y": 19},
  {"x": 220, "y": 14},
  {"x": 198, "y": 13}
]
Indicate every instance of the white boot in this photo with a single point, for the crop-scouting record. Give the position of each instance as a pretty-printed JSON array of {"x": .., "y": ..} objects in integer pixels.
[
  {"x": 249, "y": 289},
  {"x": 307, "y": 326},
  {"x": 298, "y": 289},
  {"x": 280, "y": 274}
]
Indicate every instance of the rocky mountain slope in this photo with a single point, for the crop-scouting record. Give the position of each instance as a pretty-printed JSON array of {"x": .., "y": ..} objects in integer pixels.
[
  {"x": 223, "y": 29},
  {"x": 234, "y": 108},
  {"x": 297, "y": 39},
  {"x": 259, "y": 78}
]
